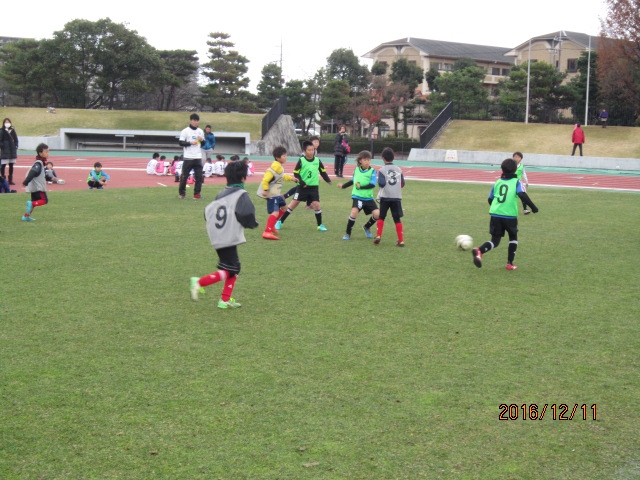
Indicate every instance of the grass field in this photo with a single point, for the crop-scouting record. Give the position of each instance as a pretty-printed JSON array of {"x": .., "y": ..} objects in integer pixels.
[{"x": 346, "y": 360}]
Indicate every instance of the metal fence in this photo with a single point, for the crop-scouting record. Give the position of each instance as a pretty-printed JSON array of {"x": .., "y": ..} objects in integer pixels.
[
  {"x": 279, "y": 108},
  {"x": 431, "y": 132}
]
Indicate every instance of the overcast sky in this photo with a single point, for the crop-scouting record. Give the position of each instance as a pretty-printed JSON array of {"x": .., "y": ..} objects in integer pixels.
[{"x": 304, "y": 34}]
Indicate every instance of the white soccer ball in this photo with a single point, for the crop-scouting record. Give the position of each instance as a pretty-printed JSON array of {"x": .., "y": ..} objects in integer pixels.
[{"x": 464, "y": 242}]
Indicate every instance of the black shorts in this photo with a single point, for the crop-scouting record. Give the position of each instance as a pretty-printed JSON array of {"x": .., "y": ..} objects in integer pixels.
[
  {"x": 307, "y": 194},
  {"x": 229, "y": 259},
  {"x": 499, "y": 225},
  {"x": 394, "y": 205},
  {"x": 368, "y": 206},
  {"x": 36, "y": 196}
]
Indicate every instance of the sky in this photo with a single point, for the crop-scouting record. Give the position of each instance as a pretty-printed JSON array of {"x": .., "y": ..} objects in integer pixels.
[{"x": 302, "y": 35}]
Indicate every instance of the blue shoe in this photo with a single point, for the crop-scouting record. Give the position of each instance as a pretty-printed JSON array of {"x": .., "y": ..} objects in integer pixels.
[
  {"x": 346, "y": 237},
  {"x": 367, "y": 231},
  {"x": 322, "y": 228},
  {"x": 278, "y": 225},
  {"x": 29, "y": 206},
  {"x": 28, "y": 219}
]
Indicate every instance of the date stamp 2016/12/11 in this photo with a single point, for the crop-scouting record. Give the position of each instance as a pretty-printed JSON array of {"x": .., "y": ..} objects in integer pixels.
[{"x": 533, "y": 411}]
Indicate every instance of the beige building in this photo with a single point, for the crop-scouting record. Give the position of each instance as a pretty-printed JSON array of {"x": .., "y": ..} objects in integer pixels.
[
  {"x": 560, "y": 49},
  {"x": 442, "y": 55}
]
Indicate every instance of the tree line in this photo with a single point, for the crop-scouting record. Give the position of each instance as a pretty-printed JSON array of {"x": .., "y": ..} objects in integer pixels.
[{"x": 103, "y": 64}]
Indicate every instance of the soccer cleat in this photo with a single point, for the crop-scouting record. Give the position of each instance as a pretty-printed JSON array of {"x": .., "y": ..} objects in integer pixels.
[
  {"x": 90, "y": 188},
  {"x": 182, "y": 197},
  {"x": 376, "y": 240},
  {"x": 26, "y": 218},
  {"x": 278, "y": 225},
  {"x": 346, "y": 237},
  {"x": 367, "y": 231},
  {"x": 100, "y": 187},
  {"x": 197, "y": 196},
  {"x": 511, "y": 266},
  {"x": 399, "y": 244},
  {"x": 29, "y": 206},
  {"x": 477, "y": 257},
  {"x": 526, "y": 212},
  {"x": 322, "y": 228},
  {"x": 269, "y": 236},
  {"x": 195, "y": 288},
  {"x": 229, "y": 304}
]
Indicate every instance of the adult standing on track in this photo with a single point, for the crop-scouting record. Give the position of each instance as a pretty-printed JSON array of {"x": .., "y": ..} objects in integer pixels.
[
  {"x": 208, "y": 145},
  {"x": 339, "y": 152},
  {"x": 190, "y": 140},
  {"x": 9, "y": 145}
]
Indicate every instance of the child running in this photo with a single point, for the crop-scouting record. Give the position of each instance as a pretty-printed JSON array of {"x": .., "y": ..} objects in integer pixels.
[
  {"x": 227, "y": 216},
  {"x": 36, "y": 183},
  {"x": 391, "y": 183},
  {"x": 521, "y": 175},
  {"x": 503, "y": 201},
  {"x": 308, "y": 171},
  {"x": 271, "y": 189},
  {"x": 363, "y": 181}
]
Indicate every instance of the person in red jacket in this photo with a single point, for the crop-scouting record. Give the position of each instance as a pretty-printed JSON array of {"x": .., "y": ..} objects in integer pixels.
[{"x": 577, "y": 138}]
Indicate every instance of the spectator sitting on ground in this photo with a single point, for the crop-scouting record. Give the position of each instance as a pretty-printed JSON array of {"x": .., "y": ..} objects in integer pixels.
[
  {"x": 151, "y": 166},
  {"x": 50, "y": 174}
]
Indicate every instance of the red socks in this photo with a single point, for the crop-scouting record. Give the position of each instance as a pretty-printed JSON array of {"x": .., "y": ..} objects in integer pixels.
[
  {"x": 228, "y": 288},
  {"x": 219, "y": 276}
]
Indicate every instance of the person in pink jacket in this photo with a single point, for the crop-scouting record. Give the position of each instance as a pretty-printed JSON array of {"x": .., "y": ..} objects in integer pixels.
[{"x": 577, "y": 138}]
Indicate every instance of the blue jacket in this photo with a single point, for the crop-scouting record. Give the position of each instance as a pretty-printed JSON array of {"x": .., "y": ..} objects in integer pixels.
[{"x": 209, "y": 142}]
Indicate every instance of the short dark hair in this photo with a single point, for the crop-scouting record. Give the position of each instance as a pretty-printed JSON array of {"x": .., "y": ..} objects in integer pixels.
[
  {"x": 194, "y": 116},
  {"x": 508, "y": 166},
  {"x": 234, "y": 158},
  {"x": 41, "y": 148},
  {"x": 387, "y": 154},
  {"x": 235, "y": 172},
  {"x": 279, "y": 151},
  {"x": 518, "y": 154},
  {"x": 306, "y": 144},
  {"x": 314, "y": 137},
  {"x": 156, "y": 155},
  {"x": 208, "y": 126},
  {"x": 97, "y": 164}
]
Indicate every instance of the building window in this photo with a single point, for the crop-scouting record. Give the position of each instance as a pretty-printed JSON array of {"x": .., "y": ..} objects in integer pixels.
[
  {"x": 495, "y": 71},
  {"x": 572, "y": 65},
  {"x": 506, "y": 72},
  {"x": 412, "y": 62},
  {"x": 448, "y": 67}
]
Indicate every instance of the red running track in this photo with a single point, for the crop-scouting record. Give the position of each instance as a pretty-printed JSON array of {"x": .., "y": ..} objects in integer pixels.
[{"x": 131, "y": 173}]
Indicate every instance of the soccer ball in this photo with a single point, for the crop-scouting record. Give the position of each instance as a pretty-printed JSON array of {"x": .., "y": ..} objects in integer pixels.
[{"x": 464, "y": 242}]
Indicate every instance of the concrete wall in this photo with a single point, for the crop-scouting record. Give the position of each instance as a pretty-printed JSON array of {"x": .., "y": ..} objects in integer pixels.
[
  {"x": 137, "y": 140},
  {"x": 533, "y": 159}
]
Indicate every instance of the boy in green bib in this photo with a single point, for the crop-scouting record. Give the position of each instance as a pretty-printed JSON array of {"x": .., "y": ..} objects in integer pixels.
[
  {"x": 307, "y": 171},
  {"x": 503, "y": 201}
]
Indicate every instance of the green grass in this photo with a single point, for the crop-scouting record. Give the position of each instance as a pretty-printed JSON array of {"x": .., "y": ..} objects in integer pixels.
[
  {"x": 37, "y": 122},
  {"x": 346, "y": 360}
]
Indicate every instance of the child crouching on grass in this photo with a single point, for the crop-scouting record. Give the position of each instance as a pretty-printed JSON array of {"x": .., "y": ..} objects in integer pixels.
[
  {"x": 227, "y": 216},
  {"x": 36, "y": 183}
]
